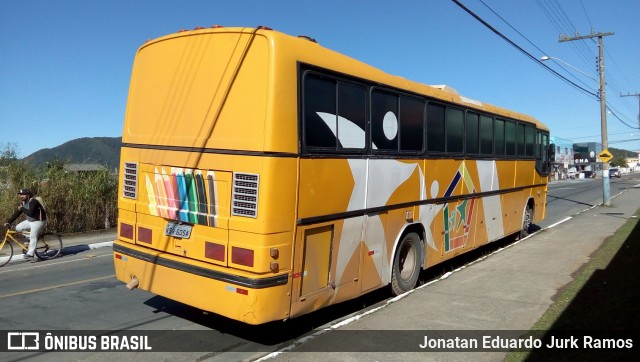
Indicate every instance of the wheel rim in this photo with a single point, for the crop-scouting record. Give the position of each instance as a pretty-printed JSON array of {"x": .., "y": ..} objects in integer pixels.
[
  {"x": 527, "y": 220},
  {"x": 407, "y": 262}
]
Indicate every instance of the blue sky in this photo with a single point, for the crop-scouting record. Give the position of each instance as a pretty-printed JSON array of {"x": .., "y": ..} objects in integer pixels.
[{"x": 65, "y": 65}]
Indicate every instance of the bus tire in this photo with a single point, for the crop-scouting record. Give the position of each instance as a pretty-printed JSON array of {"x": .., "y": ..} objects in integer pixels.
[
  {"x": 526, "y": 221},
  {"x": 406, "y": 264}
]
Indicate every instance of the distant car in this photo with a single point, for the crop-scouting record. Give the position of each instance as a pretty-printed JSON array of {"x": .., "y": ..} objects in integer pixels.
[
  {"x": 589, "y": 174},
  {"x": 615, "y": 172}
]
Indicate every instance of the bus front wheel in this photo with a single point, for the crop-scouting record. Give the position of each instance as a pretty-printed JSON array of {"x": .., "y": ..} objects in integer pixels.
[
  {"x": 526, "y": 221},
  {"x": 406, "y": 264}
]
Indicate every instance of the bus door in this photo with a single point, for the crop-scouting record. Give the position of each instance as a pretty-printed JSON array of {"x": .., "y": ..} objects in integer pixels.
[{"x": 326, "y": 264}]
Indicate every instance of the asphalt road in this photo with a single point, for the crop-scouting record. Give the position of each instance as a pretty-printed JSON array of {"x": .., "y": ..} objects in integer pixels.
[
  {"x": 79, "y": 292},
  {"x": 566, "y": 198}
]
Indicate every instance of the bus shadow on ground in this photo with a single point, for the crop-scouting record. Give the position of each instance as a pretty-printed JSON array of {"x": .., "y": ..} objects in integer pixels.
[
  {"x": 282, "y": 333},
  {"x": 273, "y": 333},
  {"x": 607, "y": 307}
]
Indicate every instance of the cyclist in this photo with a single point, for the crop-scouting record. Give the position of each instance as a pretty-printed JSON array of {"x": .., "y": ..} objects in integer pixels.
[{"x": 35, "y": 222}]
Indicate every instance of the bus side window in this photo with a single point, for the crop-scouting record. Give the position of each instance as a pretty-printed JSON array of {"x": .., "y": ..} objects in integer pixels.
[
  {"x": 384, "y": 121},
  {"x": 435, "y": 127},
  {"x": 352, "y": 108},
  {"x": 319, "y": 102},
  {"x": 472, "y": 137},
  {"x": 499, "y": 136},
  {"x": 520, "y": 139},
  {"x": 545, "y": 160},
  {"x": 529, "y": 135},
  {"x": 411, "y": 124},
  {"x": 454, "y": 129},
  {"x": 510, "y": 138},
  {"x": 543, "y": 153},
  {"x": 486, "y": 136}
]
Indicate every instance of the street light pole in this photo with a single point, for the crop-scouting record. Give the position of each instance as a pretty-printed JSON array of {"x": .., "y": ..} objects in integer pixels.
[
  {"x": 606, "y": 198},
  {"x": 568, "y": 65}
]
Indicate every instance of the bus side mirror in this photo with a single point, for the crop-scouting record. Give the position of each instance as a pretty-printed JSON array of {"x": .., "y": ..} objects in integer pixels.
[{"x": 551, "y": 152}]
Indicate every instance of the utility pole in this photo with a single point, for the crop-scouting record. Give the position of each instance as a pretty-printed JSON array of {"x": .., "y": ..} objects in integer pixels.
[
  {"x": 606, "y": 198},
  {"x": 634, "y": 95}
]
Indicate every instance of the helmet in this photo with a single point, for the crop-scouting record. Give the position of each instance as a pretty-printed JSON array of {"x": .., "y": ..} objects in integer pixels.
[{"x": 25, "y": 192}]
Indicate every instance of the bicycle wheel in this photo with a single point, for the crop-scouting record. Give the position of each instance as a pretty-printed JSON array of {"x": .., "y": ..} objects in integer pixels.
[
  {"x": 49, "y": 246},
  {"x": 6, "y": 252}
]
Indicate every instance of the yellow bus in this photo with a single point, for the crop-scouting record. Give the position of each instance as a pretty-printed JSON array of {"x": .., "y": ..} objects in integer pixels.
[{"x": 264, "y": 176}]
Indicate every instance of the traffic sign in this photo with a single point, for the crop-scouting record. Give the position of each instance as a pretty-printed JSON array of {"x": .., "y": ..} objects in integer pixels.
[{"x": 605, "y": 156}]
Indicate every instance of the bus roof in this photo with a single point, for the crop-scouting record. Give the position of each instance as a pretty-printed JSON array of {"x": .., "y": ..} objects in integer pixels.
[{"x": 307, "y": 50}]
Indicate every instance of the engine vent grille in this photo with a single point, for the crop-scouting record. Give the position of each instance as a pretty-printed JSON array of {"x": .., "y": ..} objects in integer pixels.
[
  {"x": 130, "y": 180},
  {"x": 245, "y": 194}
]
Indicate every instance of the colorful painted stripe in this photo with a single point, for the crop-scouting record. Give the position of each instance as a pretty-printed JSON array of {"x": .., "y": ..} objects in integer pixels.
[{"x": 184, "y": 195}]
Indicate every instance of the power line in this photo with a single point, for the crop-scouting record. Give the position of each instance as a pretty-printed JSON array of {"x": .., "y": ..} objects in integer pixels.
[
  {"x": 634, "y": 95},
  {"x": 512, "y": 43},
  {"x": 611, "y": 77},
  {"x": 619, "y": 119},
  {"x": 597, "y": 135},
  {"x": 511, "y": 26},
  {"x": 586, "y": 15},
  {"x": 530, "y": 56},
  {"x": 532, "y": 44},
  {"x": 556, "y": 14},
  {"x": 627, "y": 140}
]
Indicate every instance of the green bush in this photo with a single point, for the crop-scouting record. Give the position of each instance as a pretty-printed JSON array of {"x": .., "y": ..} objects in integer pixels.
[{"x": 75, "y": 201}]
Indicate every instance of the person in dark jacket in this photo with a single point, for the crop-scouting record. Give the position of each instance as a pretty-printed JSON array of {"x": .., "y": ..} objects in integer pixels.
[{"x": 36, "y": 219}]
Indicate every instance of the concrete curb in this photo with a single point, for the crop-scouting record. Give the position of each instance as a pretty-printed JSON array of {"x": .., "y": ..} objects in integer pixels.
[{"x": 74, "y": 243}]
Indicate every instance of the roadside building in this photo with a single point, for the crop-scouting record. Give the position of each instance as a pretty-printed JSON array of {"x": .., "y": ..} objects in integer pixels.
[
  {"x": 585, "y": 157},
  {"x": 563, "y": 158},
  {"x": 633, "y": 163},
  {"x": 83, "y": 167}
]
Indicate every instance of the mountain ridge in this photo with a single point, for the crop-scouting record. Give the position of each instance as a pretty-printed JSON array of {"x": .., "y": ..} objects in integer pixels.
[
  {"x": 99, "y": 150},
  {"x": 106, "y": 151}
]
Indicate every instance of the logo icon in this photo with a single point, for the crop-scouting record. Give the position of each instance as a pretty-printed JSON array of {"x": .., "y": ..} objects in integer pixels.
[{"x": 23, "y": 341}]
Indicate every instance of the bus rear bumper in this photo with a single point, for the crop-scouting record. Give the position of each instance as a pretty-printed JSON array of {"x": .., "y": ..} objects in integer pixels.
[{"x": 198, "y": 284}]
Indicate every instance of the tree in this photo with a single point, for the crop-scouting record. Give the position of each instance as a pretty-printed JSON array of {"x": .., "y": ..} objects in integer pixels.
[
  {"x": 8, "y": 153},
  {"x": 618, "y": 162}
]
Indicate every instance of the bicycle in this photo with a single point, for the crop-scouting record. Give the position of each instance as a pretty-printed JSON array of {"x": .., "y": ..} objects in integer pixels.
[{"x": 49, "y": 245}]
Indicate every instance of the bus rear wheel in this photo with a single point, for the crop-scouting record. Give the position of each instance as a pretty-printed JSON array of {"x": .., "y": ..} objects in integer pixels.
[{"x": 406, "y": 264}]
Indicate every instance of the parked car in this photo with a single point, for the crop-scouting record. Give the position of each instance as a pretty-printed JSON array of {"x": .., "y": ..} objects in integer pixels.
[
  {"x": 589, "y": 174},
  {"x": 615, "y": 172}
]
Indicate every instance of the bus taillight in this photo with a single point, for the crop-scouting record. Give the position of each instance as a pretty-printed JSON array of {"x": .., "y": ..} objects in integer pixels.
[
  {"x": 242, "y": 256},
  {"x": 214, "y": 251},
  {"x": 145, "y": 235},
  {"x": 126, "y": 230}
]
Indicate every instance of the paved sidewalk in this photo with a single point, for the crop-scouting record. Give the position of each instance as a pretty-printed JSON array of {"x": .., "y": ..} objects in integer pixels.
[
  {"x": 508, "y": 290},
  {"x": 97, "y": 238}
]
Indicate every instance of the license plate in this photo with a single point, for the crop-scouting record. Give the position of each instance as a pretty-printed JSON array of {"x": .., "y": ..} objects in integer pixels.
[{"x": 178, "y": 230}]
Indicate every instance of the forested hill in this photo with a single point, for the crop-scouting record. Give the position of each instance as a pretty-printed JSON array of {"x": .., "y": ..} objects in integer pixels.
[
  {"x": 101, "y": 150},
  {"x": 616, "y": 152}
]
